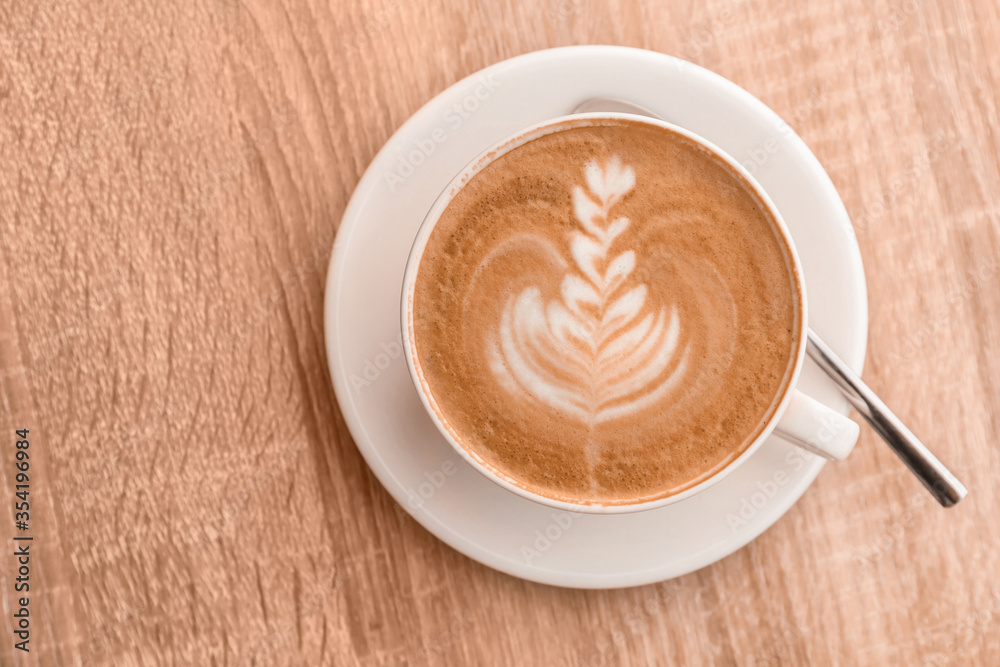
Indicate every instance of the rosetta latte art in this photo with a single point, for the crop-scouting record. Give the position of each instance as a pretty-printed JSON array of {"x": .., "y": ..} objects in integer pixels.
[
  {"x": 603, "y": 330},
  {"x": 600, "y": 350}
]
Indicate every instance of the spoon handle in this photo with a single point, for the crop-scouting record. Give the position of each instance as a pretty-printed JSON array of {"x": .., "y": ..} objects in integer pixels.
[
  {"x": 942, "y": 484},
  {"x": 935, "y": 476}
]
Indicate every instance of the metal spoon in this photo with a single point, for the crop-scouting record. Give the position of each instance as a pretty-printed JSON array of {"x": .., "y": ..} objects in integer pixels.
[{"x": 942, "y": 484}]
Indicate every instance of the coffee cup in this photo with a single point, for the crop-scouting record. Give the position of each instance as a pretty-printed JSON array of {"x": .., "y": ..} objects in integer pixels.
[{"x": 587, "y": 329}]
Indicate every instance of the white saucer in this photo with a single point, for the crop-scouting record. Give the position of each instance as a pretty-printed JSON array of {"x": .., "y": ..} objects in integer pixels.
[{"x": 384, "y": 413}]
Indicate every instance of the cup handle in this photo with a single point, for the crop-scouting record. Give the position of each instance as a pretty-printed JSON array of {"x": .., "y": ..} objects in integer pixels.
[{"x": 817, "y": 428}]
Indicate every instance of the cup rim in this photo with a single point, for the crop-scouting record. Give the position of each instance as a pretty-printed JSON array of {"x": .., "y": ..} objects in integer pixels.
[{"x": 466, "y": 174}]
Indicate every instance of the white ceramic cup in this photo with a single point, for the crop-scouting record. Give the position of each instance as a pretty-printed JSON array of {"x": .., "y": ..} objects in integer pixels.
[{"x": 798, "y": 418}]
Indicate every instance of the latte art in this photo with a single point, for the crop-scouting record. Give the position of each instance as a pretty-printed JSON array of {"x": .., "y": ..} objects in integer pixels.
[
  {"x": 604, "y": 314},
  {"x": 599, "y": 351}
]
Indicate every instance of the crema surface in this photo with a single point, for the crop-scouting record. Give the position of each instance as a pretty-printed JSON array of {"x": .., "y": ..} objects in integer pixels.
[{"x": 606, "y": 314}]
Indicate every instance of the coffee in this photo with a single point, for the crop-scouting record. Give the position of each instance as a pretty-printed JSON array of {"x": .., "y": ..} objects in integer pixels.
[{"x": 606, "y": 314}]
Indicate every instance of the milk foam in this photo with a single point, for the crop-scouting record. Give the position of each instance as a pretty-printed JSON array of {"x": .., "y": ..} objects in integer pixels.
[
  {"x": 604, "y": 314},
  {"x": 598, "y": 351}
]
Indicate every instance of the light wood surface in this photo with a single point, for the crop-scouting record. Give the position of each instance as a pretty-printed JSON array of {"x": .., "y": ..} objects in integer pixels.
[{"x": 171, "y": 180}]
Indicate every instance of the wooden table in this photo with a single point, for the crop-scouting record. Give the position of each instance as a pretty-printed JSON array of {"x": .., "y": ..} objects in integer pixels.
[{"x": 171, "y": 180}]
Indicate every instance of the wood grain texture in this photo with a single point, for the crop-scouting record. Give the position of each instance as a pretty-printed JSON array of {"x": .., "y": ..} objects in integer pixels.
[{"x": 171, "y": 180}]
